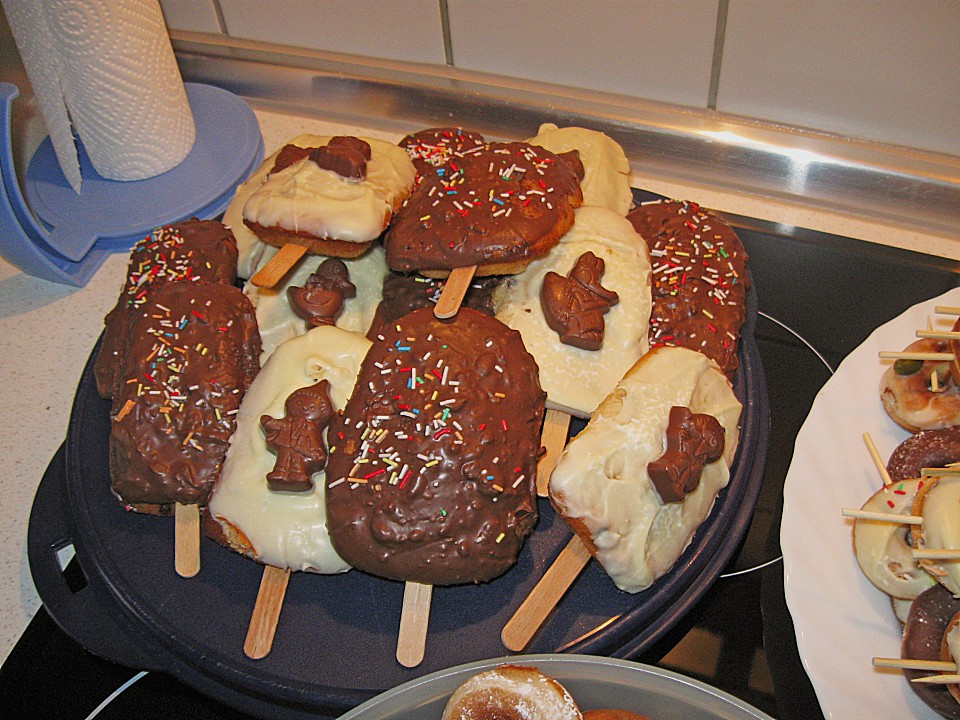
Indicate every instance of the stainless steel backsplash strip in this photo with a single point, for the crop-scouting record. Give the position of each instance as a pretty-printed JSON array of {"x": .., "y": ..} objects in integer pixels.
[{"x": 899, "y": 185}]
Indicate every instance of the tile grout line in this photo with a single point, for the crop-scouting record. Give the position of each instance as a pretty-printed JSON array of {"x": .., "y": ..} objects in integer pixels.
[
  {"x": 220, "y": 21},
  {"x": 723, "y": 7},
  {"x": 445, "y": 28}
]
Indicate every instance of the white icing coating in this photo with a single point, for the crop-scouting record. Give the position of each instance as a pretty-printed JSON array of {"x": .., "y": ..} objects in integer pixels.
[
  {"x": 512, "y": 693},
  {"x": 881, "y": 547},
  {"x": 251, "y": 249},
  {"x": 606, "y": 178},
  {"x": 601, "y": 477},
  {"x": 286, "y": 529},
  {"x": 953, "y": 643},
  {"x": 574, "y": 379},
  {"x": 305, "y": 197},
  {"x": 278, "y": 322},
  {"x": 941, "y": 526}
]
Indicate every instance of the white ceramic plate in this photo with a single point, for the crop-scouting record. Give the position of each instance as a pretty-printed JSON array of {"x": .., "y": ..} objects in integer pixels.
[
  {"x": 594, "y": 682},
  {"x": 841, "y": 620}
]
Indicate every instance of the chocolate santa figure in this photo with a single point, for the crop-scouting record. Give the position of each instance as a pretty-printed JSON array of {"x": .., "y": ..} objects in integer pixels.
[
  {"x": 693, "y": 440},
  {"x": 320, "y": 301},
  {"x": 297, "y": 438},
  {"x": 574, "y": 306}
]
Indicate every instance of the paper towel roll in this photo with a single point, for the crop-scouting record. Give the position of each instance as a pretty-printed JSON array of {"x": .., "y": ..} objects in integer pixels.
[{"x": 109, "y": 66}]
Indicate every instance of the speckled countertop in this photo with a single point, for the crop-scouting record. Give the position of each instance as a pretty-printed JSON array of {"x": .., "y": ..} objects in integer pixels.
[{"x": 48, "y": 331}]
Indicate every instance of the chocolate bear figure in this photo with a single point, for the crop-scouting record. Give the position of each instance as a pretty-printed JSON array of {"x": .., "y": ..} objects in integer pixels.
[
  {"x": 693, "y": 440},
  {"x": 297, "y": 437},
  {"x": 574, "y": 306},
  {"x": 321, "y": 299}
]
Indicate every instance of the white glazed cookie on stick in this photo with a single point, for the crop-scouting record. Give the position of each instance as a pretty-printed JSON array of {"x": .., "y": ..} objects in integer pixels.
[
  {"x": 606, "y": 177},
  {"x": 279, "y": 321},
  {"x": 283, "y": 529},
  {"x": 602, "y": 483},
  {"x": 576, "y": 379}
]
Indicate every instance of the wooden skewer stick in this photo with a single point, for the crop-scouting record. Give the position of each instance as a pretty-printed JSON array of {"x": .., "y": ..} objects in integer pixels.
[
  {"x": 881, "y": 466},
  {"x": 266, "y": 612},
  {"x": 186, "y": 547},
  {"x": 556, "y": 425},
  {"x": 938, "y": 679},
  {"x": 951, "y": 469},
  {"x": 545, "y": 595},
  {"x": 454, "y": 289},
  {"x": 885, "y": 517},
  {"x": 907, "y": 664},
  {"x": 934, "y": 356},
  {"x": 414, "y": 622},
  {"x": 936, "y": 554},
  {"x": 279, "y": 265},
  {"x": 946, "y": 310},
  {"x": 939, "y": 334}
]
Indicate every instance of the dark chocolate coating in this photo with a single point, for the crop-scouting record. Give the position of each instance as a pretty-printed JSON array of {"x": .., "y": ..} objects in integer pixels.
[
  {"x": 406, "y": 293},
  {"x": 192, "y": 353},
  {"x": 446, "y": 494},
  {"x": 431, "y": 148},
  {"x": 502, "y": 203},
  {"x": 699, "y": 279},
  {"x": 929, "y": 615},
  {"x": 189, "y": 250},
  {"x": 926, "y": 449}
]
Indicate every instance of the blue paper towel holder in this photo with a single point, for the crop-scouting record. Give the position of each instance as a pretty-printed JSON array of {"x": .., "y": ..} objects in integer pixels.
[{"x": 64, "y": 237}]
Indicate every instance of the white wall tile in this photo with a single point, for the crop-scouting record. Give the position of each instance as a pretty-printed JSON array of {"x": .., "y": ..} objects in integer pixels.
[
  {"x": 656, "y": 49},
  {"x": 407, "y": 30},
  {"x": 193, "y": 15},
  {"x": 884, "y": 70}
]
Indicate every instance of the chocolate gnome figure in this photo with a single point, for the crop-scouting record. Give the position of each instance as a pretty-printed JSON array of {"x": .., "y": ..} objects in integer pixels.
[
  {"x": 320, "y": 301},
  {"x": 297, "y": 438},
  {"x": 693, "y": 440},
  {"x": 574, "y": 306}
]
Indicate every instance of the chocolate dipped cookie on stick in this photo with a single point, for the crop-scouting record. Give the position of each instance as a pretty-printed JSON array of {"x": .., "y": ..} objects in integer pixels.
[
  {"x": 191, "y": 353},
  {"x": 432, "y": 479},
  {"x": 486, "y": 210}
]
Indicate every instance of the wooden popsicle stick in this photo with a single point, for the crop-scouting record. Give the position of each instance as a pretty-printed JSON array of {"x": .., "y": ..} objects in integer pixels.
[
  {"x": 279, "y": 265},
  {"x": 881, "y": 466},
  {"x": 907, "y": 664},
  {"x": 885, "y": 517},
  {"x": 414, "y": 622},
  {"x": 946, "y": 309},
  {"x": 186, "y": 548},
  {"x": 454, "y": 289},
  {"x": 935, "y": 356},
  {"x": 939, "y": 334},
  {"x": 936, "y": 554},
  {"x": 553, "y": 437},
  {"x": 545, "y": 595},
  {"x": 266, "y": 612},
  {"x": 938, "y": 679}
]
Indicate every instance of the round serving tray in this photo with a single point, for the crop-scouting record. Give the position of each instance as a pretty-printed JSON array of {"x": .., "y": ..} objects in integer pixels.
[{"x": 336, "y": 638}]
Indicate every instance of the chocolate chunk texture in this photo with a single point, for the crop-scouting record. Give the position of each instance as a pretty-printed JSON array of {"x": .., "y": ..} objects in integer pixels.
[
  {"x": 693, "y": 440},
  {"x": 297, "y": 437},
  {"x": 432, "y": 476},
  {"x": 574, "y": 306}
]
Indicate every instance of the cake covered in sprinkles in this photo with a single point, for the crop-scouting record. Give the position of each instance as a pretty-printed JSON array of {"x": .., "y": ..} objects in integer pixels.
[{"x": 699, "y": 279}]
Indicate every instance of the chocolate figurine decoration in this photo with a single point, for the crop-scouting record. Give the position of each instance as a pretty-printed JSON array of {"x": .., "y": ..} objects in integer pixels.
[
  {"x": 346, "y": 156},
  {"x": 297, "y": 438},
  {"x": 320, "y": 301},
  {"x": 693, "y": 441},
  {"x": 574, "y": 306}
]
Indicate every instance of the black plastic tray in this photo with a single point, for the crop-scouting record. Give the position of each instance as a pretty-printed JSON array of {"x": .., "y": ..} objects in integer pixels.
[{"x": 336, "y": 639}]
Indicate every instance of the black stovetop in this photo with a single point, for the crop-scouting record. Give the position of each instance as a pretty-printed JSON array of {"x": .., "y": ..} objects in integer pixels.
[{"x": 819, "y": 297}]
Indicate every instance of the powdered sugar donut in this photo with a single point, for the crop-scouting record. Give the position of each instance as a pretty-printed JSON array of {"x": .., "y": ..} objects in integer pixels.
[{"x": 511, "y": 692}]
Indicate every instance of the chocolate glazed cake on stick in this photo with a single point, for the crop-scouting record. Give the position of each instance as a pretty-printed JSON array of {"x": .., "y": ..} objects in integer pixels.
[
  {"x": 486, "y": 210},
  {"x": 432, "y": 478},
  {"x": 190, "y": 354}
]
